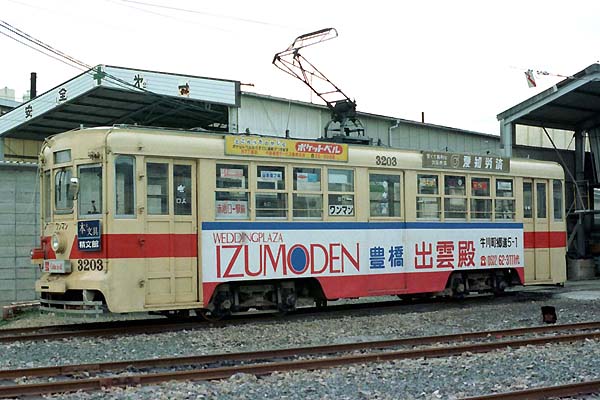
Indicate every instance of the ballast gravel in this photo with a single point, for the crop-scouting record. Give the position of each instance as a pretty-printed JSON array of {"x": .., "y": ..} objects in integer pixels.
[{"x": 442, "y": 378}]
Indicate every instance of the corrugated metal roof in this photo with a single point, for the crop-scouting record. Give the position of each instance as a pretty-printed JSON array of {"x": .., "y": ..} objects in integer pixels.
[
  {"x": 9, "y": 103},
  {"x": 378, "y": 116},
  {"x": 108, "y": 95},
  {"x": 572, "y": 104}
]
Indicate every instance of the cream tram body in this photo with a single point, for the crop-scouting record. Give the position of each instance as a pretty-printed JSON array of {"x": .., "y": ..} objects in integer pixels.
[{"x": 183, "y": 225}]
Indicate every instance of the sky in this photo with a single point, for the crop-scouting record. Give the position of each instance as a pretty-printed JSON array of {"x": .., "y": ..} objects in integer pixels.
[{"x": 459, "y": 62}]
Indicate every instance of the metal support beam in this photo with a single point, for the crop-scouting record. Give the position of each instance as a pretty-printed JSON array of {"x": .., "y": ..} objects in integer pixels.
[
  {"x": 579, "y": 155},
  {"x": 1, "y": 148},
  {"x": 506, "y": 137},
  {"x": 581, "y": 190}
]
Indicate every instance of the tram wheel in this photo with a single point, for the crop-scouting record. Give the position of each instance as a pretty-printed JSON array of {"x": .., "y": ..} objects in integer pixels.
[
  {"x": 209, "y": 315},
  {"x": 177, "y": 315}
]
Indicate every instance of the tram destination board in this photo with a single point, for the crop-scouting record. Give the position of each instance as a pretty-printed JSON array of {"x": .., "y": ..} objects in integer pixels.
[{"x": 88, "y": 235}]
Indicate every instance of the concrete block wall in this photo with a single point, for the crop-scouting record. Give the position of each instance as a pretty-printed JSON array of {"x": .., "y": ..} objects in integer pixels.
[{"x": 19, "y": 231}]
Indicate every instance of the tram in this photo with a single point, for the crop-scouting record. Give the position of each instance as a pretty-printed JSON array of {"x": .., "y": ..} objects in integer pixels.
[{"x": 168, "y": 221}]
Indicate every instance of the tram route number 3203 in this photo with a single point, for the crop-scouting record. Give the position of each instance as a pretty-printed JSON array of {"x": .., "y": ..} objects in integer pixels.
[
  {"x": 386, "y": 161},
  {"x": 90, "y": 264}
]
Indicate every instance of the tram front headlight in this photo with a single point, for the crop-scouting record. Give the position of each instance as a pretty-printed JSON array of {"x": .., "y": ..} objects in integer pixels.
[{"x": 57, "y": 243}]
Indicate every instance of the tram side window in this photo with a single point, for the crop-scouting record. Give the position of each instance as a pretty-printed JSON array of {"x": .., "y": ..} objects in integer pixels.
[
  {"x": 527, "y": 200},
  {"x": 89, "y": 200},
  {"x": 157, "y": 188},
  {"x": 63, "y": 202},
  {"x": 182, "y": 189},
  {"x": 541, "y": 199},
  {"x": 505, "y": 201},
  {"x": 341, "y": 192},
  {"x": 428, "y": 203},
  {"x": 124, "y": 186},
  {"x": 455, "y": 197},
  {"x": 47, "y": 190},
  {"x": 481, "y": 200},
  {"x": 307, "y": 199},
  {"x": 270, "y": 196},
  {"x": 384, "y": 195},
  {"x": 557, "y": 196},
  {"x": 231, "y": 196}
]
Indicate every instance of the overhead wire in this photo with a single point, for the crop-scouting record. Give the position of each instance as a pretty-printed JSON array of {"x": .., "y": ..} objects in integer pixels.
[
  {"x": 121, "y": 3},
  {"x": 38, "y": 50},
  {"x": 38, "y": 42},
  {"x": 206, "y": 13}
]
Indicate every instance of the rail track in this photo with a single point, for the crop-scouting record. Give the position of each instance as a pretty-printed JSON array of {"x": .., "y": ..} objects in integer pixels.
[
  {"x": 545, "y": 392},
  {"x": 159, "y": 325},
  {"x": 94, "y": 376},
  {"x": 97, "y": 329}
]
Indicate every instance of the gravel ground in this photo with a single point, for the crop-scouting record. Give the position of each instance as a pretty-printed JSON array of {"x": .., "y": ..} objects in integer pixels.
[{"x": 447, "y": 378}]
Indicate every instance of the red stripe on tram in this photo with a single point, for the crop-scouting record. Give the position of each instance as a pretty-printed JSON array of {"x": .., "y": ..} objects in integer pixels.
[
  {"x": 544, "y": 240},
  {"x": 137, "y": 245}
]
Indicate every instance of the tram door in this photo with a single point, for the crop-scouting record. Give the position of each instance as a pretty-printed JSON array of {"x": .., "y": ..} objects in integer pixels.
[
  {"x": 171, "y": 228},
  {"x": 536, "y": 225},
  {"x": 542, "y": 230}
]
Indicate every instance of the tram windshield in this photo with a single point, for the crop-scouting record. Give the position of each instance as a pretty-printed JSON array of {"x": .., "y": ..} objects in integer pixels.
[
  {"x": 90, "y": 190},
  {"x": 63, "y": 202},
  {"x": 47, "y": 193}
]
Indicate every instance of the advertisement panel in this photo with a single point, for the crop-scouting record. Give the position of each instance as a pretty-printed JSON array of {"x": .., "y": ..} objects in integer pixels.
[
  {"x": 250, "y": 251},
  {"x": 275, "y": 147}
]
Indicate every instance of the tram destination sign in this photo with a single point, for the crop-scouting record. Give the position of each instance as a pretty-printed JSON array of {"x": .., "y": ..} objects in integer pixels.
[
  {"x": 466, "y": 162},
  {"x": 285, "y": 148},
  {"x": 88, "y": 235}
]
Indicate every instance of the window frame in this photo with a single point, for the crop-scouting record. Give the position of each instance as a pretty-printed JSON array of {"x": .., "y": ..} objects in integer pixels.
[
  {"x": 437, "y": 196},
  {"x": 192, "y": 189},
  {"x": 134, "y": 187},
  {"x": 167, "y": 194},
  {"x": 400, "y": 201},
  {"x": 295, "y": 192},
  {"x": 102, "y": 200},
  {"x": 342, "y": 193},
  {"x": 560, "y": 199},
  {"x": 277, "y": 192},
  {"x": 448, "y": 197},
  {"x": 62, "y": 211},
  {"x": 546, "y": 185},
  {"x": 245, "y": 189},
  {"x": 511, "y": 198},
  {"x": 531, "y": 199},
  {"x": 47, "y": 195},
  {"x": 489, "y": 198}
]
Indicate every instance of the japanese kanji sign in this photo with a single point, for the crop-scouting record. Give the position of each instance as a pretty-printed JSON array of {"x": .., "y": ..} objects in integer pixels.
[
  {"x": 465, "y": 162},
  {"x": 89, "y": 235}
]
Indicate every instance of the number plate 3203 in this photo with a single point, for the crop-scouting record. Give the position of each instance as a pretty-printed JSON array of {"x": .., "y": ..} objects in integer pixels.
[{"x": 90, "y": 264}]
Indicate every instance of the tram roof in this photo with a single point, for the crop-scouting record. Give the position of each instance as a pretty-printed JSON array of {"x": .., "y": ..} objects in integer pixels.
[
  {"x": 108, "y": 95},
  {"x": 572, "y": 104}
]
